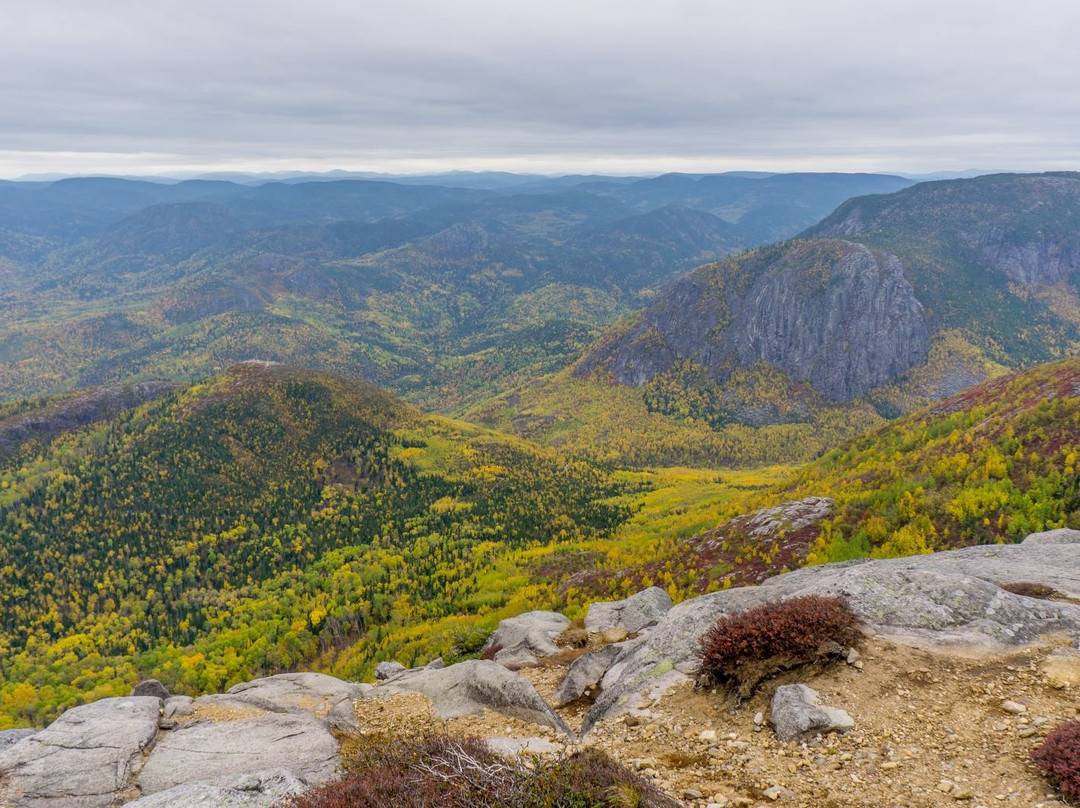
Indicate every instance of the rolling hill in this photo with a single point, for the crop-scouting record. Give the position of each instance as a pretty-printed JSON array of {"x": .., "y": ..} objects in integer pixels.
[
  {"x": 443, "y": 294},
  {"x": 891, "y": 302}
]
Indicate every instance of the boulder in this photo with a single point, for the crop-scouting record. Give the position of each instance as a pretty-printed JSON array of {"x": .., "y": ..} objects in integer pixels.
[
  {"x": 316, "y": 693},
  {"x": 215, "y": 751},
  {"x": 1062, "y": 535},
  {"x": 634, "y": 614},
  {"x": 796, "y": 714},
  {"x": 471, "y": 687},
  {"x": 526, "y": 637},
  {"x": 586, "y": 671},
  {"x": 258, "y": 790},
  {"x": 88, "y": 757},
  {"x": 951, "y": 598},
  {"x": 178, "y": 706},
  {"x": 388, "y": 670},
  {"x": 10, "y": 737},
  {"x": 152, "y": 688}
]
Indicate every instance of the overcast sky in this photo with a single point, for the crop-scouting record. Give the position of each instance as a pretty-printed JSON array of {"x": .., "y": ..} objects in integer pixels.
[{"x": 619, "y": 86}]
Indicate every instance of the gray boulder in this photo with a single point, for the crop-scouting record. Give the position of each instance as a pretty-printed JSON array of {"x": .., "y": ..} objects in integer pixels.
[
  {"x": 944, "y": 599},
  {"x": 586, "y": 671},
  {"x": 1062, "y": 535},
  {"x": 87, "y": 758},
  {"x": 152, "y": 688},
  {"x": 796, "y": 714},
  {"x": 178, "y": 706},
  {"x": 258, "y": 790},
  {"x": 471, "y": 687},
  {"x": 526, "y": 637},
  {"x": 388, "y": 670},
  {"x": 10, "y": 737},
  {"x": 635, "y": 613},
  {"x": 216, "y": 751},
  {"x": 316, "y": 693}
]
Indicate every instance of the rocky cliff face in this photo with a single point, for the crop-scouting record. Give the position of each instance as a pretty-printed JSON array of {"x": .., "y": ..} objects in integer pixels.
[{"x": 832, "y": 313}]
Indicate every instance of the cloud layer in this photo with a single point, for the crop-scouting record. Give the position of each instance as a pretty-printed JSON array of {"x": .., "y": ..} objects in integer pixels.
[{"x": 122, "y": 85}]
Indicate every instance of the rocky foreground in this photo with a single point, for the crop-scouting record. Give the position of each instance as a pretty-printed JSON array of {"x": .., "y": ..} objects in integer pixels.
[{"x": 958, "y": 679}]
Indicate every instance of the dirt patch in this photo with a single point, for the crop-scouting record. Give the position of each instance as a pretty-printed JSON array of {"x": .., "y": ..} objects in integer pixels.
[{"x": 930, "y": 730}]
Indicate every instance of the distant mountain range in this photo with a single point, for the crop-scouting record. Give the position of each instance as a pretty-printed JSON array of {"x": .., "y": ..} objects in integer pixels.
[
  {"x": 891, "y": 301},
  {"x": 444, "y": 294}
]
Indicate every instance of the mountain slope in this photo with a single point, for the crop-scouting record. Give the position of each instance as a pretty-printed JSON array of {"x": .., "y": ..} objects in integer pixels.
[
  {"x": 262, "y": 518},
  {"x": 891, "y": 302},
  {"x": 445, "y": 295}
]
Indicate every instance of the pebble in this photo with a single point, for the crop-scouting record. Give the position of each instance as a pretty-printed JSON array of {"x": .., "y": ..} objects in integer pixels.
[{"x": 1013, "y": 707}]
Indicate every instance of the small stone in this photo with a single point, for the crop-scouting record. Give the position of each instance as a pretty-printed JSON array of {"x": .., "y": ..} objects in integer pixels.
[
  {"x": 614, "y": 635},
  {"x": 1013, "y": 707},
  {"x": 692, "y": 794},
  {"x": 709, "y": 736},
  {"x": 759, "y": 718},
  {"x": 961, "y": 793},
  {"x": 853, "y": 656}
]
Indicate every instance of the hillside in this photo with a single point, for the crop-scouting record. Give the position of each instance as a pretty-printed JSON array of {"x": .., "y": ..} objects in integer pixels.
[
  {"x": 261, "y": 518},
  {"x": 271, "y": 517},
  {"x": 446, "y": 295},
  {"x": 891, "y": 302}
]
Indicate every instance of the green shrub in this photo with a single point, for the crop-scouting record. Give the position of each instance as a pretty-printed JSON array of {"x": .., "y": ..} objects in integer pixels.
[{"x": 743, "y": 649}]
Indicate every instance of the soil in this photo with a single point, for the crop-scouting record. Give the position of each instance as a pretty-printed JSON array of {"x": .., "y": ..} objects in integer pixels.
[{"x": 930, "y": 730}]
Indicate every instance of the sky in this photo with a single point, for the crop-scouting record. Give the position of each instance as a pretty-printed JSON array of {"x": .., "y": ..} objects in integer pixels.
[{"x": 606, "y": 86}]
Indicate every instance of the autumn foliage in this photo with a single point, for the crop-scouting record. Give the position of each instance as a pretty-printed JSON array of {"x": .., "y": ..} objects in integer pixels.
[
  {"x": 742, "y": 649},
  {"x": 1058, "y": 758},
  {"x": 441, "y": 771}
]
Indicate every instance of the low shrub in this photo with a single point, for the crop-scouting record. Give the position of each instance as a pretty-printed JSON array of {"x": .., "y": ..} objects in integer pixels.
[
  {"x": 490, "y": 652},
  {"x": 1058, "y": 759},
  {"x": 440, "y": 771},
  {"x": 741, "y": 650},
  {"x": 468, "y": 643},
  {"x": 572, "y": 637},
  {"x": 1028, "y": 589}
]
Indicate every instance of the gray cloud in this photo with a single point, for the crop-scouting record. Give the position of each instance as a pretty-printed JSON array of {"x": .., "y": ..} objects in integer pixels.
[{"x": 846, "y": 84}]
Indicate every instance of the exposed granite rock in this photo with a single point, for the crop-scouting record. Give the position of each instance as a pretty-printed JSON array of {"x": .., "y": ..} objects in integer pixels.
[
  {"x": 87, "y": 758},
  {"x": 10, "y": 737},
  {"x": 471, "y": 687},
  {"x": 635, "y": 613},
  {"x": 258, "y": 790},
  {"x": 945, "y": 599},
  {"x": 584, "y": 672},
  {"x": 796, "y": 714},
  {"x": 832, "y": 313},
  {"x": 152, "y": 688},
  {"x": 316, "y": 693},
  {"x": 526, "y": 637},
  {"x": 1062, "y": 535},
  {"x": 388, "y": 670},
  {"x": 212, "y": 751}
]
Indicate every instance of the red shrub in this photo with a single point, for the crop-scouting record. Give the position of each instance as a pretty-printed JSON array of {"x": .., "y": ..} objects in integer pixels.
[
  {"x": 1058, "y": 758},
  {"x": 439, "y": 771},
  {"x": 490, "y": 652},
  {"x": 742, "y": 649}
]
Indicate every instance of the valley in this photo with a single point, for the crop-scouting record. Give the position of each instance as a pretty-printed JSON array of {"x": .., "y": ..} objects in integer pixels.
[{"x": 252, "y": 432}]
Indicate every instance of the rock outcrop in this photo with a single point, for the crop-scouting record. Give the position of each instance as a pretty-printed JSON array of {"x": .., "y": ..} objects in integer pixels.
[
  {"x": 832, "y": 313},
  {"x": 218, "y": 751},
  {"x": 87, "y": 758},
  {"x": 258, "y": 790},
  {"x": 796, "y": 714},
  {"x": 585, "y": 672},
  {"x": 945, "y": 599},
  {"x": 316, "y": 693},
  {"x": 635, "y": 614},
  {"x": 471, "y": 687},
  {"x": 524, "y": 638}
]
